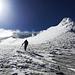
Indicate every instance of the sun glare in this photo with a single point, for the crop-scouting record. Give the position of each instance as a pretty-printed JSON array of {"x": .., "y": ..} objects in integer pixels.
[
  {"x": 5, "y": 10},
  {"x": 2, "y": 6}
]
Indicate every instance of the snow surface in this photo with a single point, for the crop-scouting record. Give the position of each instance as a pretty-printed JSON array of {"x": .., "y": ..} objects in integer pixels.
[
  {"x": 46, "y": 51},
  {"x": 71, "y": 69}
]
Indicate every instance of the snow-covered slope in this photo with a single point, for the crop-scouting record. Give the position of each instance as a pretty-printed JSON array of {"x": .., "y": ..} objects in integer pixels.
[
  {"x": 64, "y": 26},
  {"x": 49, "y": 49}
]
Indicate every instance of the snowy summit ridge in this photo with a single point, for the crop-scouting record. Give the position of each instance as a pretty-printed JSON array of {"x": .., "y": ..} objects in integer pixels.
[
  {"x": 68, "y": 23},
  {"x": 64, "y": 26}
]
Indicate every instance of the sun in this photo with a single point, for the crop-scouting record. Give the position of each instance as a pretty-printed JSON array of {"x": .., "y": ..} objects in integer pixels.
[
  {"x": 2, "y": 6},
  {"x": 5, "y": 10}
]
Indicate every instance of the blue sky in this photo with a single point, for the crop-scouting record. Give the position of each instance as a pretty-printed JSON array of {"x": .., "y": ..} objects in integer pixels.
[{"x": 36, "y": 15}]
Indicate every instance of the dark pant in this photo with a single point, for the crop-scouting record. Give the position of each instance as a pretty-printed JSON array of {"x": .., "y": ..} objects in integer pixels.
[{"x": 25, "y": 47}]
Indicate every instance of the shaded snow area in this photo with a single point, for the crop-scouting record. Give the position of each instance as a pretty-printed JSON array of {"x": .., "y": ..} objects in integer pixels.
[{"x": 50, "y": 52}]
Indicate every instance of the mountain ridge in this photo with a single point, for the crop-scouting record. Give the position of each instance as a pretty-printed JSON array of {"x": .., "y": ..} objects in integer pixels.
[{"x": 66, "y": 25}]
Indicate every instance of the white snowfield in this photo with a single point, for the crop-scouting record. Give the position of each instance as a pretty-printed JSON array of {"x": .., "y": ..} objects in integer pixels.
[
  {"x": 46, "y": 35},
  {"x": 46, "y": 51}
]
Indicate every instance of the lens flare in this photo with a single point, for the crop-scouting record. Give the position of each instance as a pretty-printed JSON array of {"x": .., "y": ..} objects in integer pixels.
[
  {"x": 5, "y": 10},
  {"x": 3, "y": 6}
]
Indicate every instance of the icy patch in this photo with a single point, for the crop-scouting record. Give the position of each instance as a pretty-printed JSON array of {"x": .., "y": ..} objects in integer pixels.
[{"x": 71, "y": 69}]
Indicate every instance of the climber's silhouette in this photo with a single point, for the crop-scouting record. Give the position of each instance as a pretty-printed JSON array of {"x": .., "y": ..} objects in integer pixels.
[{"x": 25, "y": 43}]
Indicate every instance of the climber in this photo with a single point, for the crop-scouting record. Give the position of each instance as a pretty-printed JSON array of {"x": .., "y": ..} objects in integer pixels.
[{"x": 25, "y": 43}]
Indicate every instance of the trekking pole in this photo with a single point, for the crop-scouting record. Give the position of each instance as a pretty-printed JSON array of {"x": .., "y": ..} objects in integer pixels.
[{"x": 21, "y": 46}]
